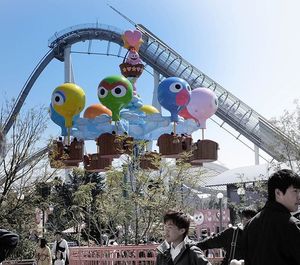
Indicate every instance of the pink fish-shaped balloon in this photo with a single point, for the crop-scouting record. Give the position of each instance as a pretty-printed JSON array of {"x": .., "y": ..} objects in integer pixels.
[{"x": 203, "y": 104}]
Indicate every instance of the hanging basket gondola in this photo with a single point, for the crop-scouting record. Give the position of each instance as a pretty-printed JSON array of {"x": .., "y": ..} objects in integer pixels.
[
  {"x": 65, "y": 156},
  {"x": 205, "y": 151},
  {"x": 130, "y": 70},
  {"x": 169, "y": 145},
  {"x": 109, "y": 145},
  {"x": 96, "y": 163}
]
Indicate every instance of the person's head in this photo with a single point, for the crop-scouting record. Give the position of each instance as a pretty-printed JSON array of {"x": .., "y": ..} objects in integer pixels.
[
  {"x": 58, "y": 235},
  {"x": 10, "y": 241},
  {"x": 247, "y": 214},
  {"x": 204, "y": 233},
  {"x": 42, "y": 242},
  {"x": 176, "y": 226},
  {"x": 284, "y": 187}
]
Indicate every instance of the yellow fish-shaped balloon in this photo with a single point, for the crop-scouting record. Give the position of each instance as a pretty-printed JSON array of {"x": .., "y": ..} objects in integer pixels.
[{"x": 68, "y": 100}]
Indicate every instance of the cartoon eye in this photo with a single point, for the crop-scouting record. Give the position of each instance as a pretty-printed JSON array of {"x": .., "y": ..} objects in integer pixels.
[
  {"x": 102, "y": 92},
  {"x": 58, "y": 98},
  {"x": 175, "y": 87},
  {"x": 188, "y": 88},
  {"x": 119, "y": 91}
]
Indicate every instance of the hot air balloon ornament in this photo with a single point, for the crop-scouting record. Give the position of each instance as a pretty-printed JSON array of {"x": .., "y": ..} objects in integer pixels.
[
  {"x": 68, "y": 100},
  {"x": 115, "y": 92},
  {"x": 203, "y": 104},
  {"x": 174, "y": 94},
  {"x": 132, "y": 66},
  {"x": 95, "y": 110}
]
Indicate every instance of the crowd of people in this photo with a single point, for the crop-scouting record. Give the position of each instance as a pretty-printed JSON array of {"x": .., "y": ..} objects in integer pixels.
[
  {"x": 57, "y": 255},
  {"x": 269, "y": 237},
  {"x": 230, "y": 239}
]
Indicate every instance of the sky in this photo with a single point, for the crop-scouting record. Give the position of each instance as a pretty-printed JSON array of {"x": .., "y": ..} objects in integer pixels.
[{"x": 251, "y": 48}]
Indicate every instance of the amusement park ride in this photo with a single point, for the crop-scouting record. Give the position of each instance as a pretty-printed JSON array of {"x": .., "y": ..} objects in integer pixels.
[
  {"x": 121, "y": 118},
  {"x": 123, "y": 121}
]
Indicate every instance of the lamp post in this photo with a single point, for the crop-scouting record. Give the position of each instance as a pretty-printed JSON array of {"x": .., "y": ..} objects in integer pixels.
[
  {"x": 44, "y": 190},
  {"x": 43, "y": 222},
  {"x": 220, "y": 197},
  {"x": 45, "y": 208},
  {"x": 241, "y": 192}
]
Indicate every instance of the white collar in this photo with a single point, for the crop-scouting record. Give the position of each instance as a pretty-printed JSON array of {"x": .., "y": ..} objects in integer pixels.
[
  {"x": 176, "y": 250},
  {"x": 178, "y": 246}
]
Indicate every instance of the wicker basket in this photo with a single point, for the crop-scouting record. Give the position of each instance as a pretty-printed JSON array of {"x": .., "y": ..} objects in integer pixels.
[
  {"x": 129, "y": 70},
  {"x": 169, "y": 145},
  {"x": 96, "y": 163},
  {"x": 64, "y": 156},
  {"x": 205, "y": 151},
  {"x": 110, "y": 145}
]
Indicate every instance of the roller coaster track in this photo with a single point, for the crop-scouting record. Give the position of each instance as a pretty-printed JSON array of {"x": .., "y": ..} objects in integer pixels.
[{"x": 167, "y": 62}]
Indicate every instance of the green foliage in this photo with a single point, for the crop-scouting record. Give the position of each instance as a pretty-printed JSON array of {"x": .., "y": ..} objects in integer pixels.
[
  {"x": 127, "y": 204},
  {"x": 17, "y": 215},
  {"x": 289, "y": 124},
  {"x": 137, "y": 199},
  {"x": 25, "y": 249}
]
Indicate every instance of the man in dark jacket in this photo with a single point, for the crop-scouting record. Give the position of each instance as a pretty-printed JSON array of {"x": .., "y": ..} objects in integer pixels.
[
  {"x": 230, "y": 239},
  {"x": 177, "y": 248},
  {"x": 8, "y": 241},
  {"x": 272, "y": 237}
]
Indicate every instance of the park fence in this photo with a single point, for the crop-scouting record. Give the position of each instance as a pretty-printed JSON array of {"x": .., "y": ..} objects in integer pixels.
[
  {"x": 110, "y": 255},
  {"x": 118, "y": 255}
]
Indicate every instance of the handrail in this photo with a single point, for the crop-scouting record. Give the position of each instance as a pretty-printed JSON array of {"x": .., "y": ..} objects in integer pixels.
[
  {"x": 60, "y": 35},
  {"x": 19, "y": 262}
]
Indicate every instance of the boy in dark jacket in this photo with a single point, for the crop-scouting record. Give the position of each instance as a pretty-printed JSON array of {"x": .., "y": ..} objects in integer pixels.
[
  {"x": 177, "y": 248},
  {"x": 272, "y": 237},
  {"x": 230, "y": 239},
  {"x": 8, "y": 241}
]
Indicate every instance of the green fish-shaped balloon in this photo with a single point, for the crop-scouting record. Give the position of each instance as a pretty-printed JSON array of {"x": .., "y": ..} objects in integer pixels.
[{"x": 115, "y": 92}]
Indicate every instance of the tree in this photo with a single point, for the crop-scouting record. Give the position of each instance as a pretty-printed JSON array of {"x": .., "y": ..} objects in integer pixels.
[
  {"x": 289, "y": 124},
  {"x": 17, "y": 169},
  {"x": 136, "y": 199},
  {"x": 19, "y": 172},
  {"x": 127, "y": 202},
  {"x": 74, "y": 204}
]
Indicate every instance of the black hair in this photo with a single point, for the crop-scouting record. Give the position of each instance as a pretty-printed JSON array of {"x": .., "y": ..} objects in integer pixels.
[
  {"x": 8, "y": 242},
  {"x": 43, "y": 242},
  {"x": 180, "y": 219},
  {"x": 58, "y": 233},
  {"x": 248, "y": 213},
  {"x": 282, "y": 180}
]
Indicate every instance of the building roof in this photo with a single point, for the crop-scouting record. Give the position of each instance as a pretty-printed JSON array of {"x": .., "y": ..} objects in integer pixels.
[{"x": 240, "y": 175}]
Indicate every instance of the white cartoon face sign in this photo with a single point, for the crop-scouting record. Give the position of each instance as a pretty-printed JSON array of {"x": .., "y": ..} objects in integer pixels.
[{"x": 199, "y": 218}]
